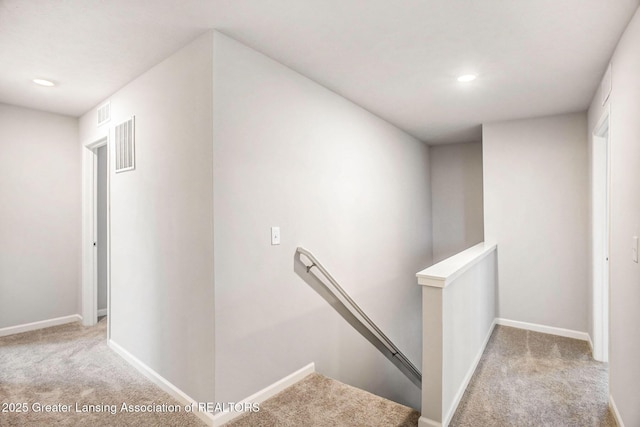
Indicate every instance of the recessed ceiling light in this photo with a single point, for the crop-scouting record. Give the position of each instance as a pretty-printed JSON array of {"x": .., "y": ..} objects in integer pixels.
[
  {"x": 467, "y": 78},
  {"x": 43, "y": 82}
]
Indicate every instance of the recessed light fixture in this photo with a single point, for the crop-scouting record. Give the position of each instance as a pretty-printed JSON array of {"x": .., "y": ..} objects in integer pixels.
[
  {"x": 467, "y": 78},
  {"x": 43, "y": 82}
]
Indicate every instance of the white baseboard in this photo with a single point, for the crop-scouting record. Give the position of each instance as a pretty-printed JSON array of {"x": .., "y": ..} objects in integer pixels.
[
  {"x": 428, "y": 422},
  {"x": 161, "y": 382},
  {"x": 102, "y": 312},
  {"x": 616, "y": 414},
  {"x": 39, "y": 325},
  {"x": 267, "y": 392},
  {"x": 467, "y": 377},
  {"x": 568, "y": 333}
]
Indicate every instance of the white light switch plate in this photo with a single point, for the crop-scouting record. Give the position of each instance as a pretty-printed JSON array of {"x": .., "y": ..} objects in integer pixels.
[
  {"x": 275, "y": 235},
  {"x": 634, "y": 249}
]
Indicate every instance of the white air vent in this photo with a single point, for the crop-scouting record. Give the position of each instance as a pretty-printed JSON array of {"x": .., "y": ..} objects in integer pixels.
[
  {"x": 124, "y": 141},
  {"x": 104, "y": 113}
]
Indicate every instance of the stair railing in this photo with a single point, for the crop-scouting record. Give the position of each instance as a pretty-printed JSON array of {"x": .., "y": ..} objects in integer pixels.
[{"x": 350, "y": 311}]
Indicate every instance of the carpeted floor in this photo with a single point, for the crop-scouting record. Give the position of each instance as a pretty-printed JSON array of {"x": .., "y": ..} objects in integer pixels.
[
  {"x": 323, "y": 402},
  {"x": 524, "y": 379},
  {"x": 531, "y": 379},
  {"x": 72, "y": 364}
]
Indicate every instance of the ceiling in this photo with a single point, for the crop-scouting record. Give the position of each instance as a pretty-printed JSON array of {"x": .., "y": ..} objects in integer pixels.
[{"x": 397, "y": 58}]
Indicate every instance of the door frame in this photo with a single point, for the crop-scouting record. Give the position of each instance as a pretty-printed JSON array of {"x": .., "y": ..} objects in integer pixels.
[
  {"x": 600, "y": 236},
  {"x": 89, "y": 298}
]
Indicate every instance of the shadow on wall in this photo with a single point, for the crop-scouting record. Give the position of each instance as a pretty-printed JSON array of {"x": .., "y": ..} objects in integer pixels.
[
  {"x": 351, "y": 312},
  {"x": 456, "y": 197}
]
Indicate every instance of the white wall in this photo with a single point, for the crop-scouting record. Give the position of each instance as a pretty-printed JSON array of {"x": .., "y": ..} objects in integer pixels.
[
  {"x": 102, "y": 227},
  {"x": 337, "y": 180},
  {"x": 162, "y": 219},
  {"x": 536, "y": 207},
  {"x": 39, "y": 216},
  {"x": 457, "y": 322},
  {"x": 624, "y": 102},
  {"x": 456, "y": 197}
]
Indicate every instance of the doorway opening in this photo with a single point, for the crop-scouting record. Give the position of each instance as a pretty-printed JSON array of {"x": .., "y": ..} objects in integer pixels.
[
  {"x": 101, "y": 229},
  {"x": 600, "y": 238},
  {"x": 95, "y": 234}
]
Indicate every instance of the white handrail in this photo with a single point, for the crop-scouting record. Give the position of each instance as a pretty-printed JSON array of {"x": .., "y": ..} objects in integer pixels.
[{"x": 407, "y": 367}]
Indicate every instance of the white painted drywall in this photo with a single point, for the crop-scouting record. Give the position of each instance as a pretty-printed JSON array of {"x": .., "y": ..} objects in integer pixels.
[
  {"x": 598, "y": 278},
  {"x": 456, "y": 198},
  {"x": 337, "y": 180},
  {"x": 457, "y": 321},
  {"x": 162, "y": 220},
  {"x": 39, "y": 216},
  {"x": 535, "y": 209},
  {"x": 624, "y": 101},
  {"x": 469, "y": 309},
  {"x": 102, "y": 227}
]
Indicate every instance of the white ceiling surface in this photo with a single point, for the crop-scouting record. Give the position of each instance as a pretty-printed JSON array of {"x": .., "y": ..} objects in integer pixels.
[{"x": 398, "y": 59}]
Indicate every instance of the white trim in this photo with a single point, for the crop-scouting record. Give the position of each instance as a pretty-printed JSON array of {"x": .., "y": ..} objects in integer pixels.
[
  {"x": 569, "y": 333},
  {"x": 443, "y": 273},
  {"x": 102, "y": 312},
  {"x": 603, "y": 125},
  {"x": 465, "y": 382},
  {"x": 89, "y": 252},
  {"x": 428, "y": 422},
  {"x": 108, "y": 241},
  {"x": 87, "y": 236},
  {"x": 583, "y": 336},
  {"x": 614, "y": 410},
  {"x": 160, "y": 381},
  {"x": 600, "y": 235},
  {"x": 18, "y": 329},
  {"x": 267, "y": 392},
  {"x": 590, "y": 343},
  {"x": 605, "y": 85}
]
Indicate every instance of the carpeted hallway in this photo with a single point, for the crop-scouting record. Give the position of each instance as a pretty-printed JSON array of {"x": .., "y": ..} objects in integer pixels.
[
  {"x": 71, "y": 363},
  {"x": 531, "y": 379},
  {"x": 524, "y": 379}
]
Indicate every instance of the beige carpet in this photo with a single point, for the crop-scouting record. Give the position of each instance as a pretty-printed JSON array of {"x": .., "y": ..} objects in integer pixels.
[
  {"x": 323, "y": 402},
  {"x": 72, "y": 364},
  {"x": 531, "y": 379},
  {"x": 524, "y": 379}
]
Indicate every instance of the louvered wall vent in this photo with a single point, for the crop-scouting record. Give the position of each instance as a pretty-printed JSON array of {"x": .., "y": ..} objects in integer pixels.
[
  {"x": 124, "y": 142},
  {"x": 104, "y": 113}
]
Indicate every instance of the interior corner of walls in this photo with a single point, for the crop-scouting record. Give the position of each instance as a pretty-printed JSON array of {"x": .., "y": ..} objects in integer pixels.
[
  {"x": 42, "y": 324},
  {"x": 161, "y": 382},
  {"x": 427, "y": 422},
  {"x": 615, "y": 412},
  {"x": 222, "y": 418},
  {"x": 43, "y": 272},
  {"x": 544, "y": 329},
  {"x": 249, "y": 83},
  {"x": 456, "y": 197}
]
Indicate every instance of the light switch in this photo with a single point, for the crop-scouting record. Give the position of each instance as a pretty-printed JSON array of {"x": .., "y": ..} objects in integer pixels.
[
  {"x": 634, "y": 249},
  {"x": 275, "y": 235}
]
